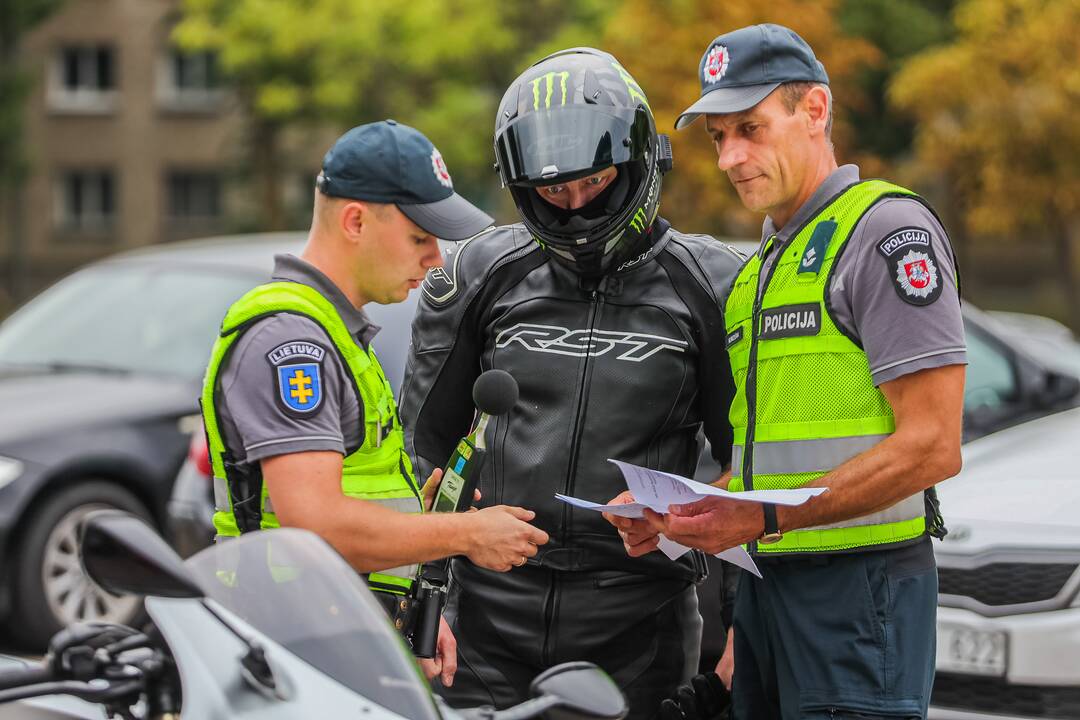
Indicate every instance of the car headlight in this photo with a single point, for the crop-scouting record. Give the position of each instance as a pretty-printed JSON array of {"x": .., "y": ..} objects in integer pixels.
[{"x": 10, "y": 469}]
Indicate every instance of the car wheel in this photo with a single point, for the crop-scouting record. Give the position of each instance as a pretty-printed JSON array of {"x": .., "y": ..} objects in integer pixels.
[{"x": 51, "y": 588}]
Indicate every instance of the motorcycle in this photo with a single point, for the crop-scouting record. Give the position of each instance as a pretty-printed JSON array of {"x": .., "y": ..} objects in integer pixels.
[{"x": 273, "y": 624}]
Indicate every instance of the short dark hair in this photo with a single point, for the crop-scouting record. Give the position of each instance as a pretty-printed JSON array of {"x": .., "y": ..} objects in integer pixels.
[{"x": 792, "y": 93}]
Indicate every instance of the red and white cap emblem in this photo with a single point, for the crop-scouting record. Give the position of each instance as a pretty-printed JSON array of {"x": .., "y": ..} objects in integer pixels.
[
  {"x": 438, "y": 166},
  {"x": 716, "y": 64}
]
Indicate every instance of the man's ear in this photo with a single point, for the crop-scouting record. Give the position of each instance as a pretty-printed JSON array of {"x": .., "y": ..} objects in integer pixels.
[
  {"x": 816, "y": 105},
  {"x": 352, "y": 217}
]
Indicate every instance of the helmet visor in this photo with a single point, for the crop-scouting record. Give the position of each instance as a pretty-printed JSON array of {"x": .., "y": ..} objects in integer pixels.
[{"x": 565, "y": 143}]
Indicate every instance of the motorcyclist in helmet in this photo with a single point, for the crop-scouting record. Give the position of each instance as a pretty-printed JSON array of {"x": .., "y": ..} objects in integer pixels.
[{"x": 610, "y": 320}]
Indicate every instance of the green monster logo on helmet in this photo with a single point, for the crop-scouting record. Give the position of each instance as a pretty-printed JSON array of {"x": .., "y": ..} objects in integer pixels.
[
  {"x": 550, "y": 79},
  {"x": 635, "y": 91}
]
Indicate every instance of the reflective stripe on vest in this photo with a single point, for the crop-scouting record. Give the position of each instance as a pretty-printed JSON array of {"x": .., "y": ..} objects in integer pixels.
[
  {"x": 378, "y": 471},
  {"x": 221, "y": 495},
  {"x": 802, "y": 456},
  {"x": 805, "y": 400}
]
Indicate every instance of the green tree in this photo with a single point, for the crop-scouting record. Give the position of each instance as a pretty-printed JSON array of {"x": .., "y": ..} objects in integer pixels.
[
  {"x": 16, "y": 18},
  {"x": 898, "y": 29},
  {"x": 439, "y": 64},
  {"x": 661, "y": 45},
  {"x": 997, "y": 124}
]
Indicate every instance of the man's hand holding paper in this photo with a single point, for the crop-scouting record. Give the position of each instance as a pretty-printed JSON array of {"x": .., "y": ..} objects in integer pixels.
[
  {"x": 686, "y": 512},
  {"x": 638, "y": 534},
  {"x": 712, "y": 524}
]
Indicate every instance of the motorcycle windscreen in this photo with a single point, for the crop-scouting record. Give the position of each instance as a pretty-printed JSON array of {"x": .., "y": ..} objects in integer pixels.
[
  {"x": 295, "y": 589},
  {"x": 564, "y": 143}
]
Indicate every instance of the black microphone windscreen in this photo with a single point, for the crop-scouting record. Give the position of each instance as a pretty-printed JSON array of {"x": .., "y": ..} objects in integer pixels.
[{"x": 495, "y": 392}]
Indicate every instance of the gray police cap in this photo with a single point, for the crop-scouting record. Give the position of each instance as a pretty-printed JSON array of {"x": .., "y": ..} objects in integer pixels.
[{"x": 740, "y": 68}]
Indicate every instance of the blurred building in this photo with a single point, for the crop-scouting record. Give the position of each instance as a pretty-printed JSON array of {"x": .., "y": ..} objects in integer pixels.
[{"x": 130, "y": 142}]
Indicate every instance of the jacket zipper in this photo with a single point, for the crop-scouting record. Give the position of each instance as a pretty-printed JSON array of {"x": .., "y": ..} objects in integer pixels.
[{"x": 596, "y": 304}]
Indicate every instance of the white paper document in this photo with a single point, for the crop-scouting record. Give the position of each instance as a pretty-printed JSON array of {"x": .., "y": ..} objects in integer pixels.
[{"x": 658, "y": 490}]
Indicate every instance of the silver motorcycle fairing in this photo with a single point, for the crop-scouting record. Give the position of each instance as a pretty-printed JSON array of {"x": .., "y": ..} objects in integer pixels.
[{"x": 211, "y": 678}]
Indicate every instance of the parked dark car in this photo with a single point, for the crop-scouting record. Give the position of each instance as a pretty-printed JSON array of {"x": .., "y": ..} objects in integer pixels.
[{"x": 99, "y": 379}]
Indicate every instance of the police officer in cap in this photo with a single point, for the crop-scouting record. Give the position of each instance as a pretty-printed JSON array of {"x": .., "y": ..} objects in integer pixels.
[
  {"x": 847, "y": 345},
  {"x": 302, "y": 425},
  {"x": 610, "y": 321}
]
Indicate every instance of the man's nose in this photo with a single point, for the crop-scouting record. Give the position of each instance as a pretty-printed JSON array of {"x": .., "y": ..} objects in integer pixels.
[
  {"x": 729, "y": 153},
  {"x": 434, "y": 256},
  {"x": 578, "y": 197}
]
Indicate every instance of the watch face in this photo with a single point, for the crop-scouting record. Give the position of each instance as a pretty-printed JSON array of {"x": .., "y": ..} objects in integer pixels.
[{"x": 770, "y": 538}]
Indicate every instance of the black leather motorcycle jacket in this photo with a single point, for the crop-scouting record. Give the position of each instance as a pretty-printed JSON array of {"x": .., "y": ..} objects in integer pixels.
[{"x": 627, "y": 367}]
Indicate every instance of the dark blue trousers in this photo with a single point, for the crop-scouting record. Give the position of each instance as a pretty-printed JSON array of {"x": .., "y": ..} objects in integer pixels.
[{"x": 840, "y": 636}]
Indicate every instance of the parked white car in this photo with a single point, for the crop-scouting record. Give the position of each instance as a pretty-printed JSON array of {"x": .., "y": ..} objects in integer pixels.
[{"x": 1009, "y": 603}]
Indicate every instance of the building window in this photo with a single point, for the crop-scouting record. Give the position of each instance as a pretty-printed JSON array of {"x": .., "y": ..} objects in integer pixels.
[
  {"x": 194, "y": 195},
  {"x": 189, "y": 81},
  {"x": 86, "y": 201},
  {"x": 83, "y": 79},
  {"x": 194, "y": 71}
]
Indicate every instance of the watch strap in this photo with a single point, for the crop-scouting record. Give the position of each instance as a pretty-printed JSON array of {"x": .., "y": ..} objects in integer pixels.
[{"x": 770, "y": 519}]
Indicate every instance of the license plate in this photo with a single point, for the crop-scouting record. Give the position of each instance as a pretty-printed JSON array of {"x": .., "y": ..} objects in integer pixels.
[{"x": 975, "y": 652}]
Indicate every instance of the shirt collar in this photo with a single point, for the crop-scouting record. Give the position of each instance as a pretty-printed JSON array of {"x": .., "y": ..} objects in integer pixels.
[
  {"x": 838, "y": 179},
  {"x": 290, "y": 268}
]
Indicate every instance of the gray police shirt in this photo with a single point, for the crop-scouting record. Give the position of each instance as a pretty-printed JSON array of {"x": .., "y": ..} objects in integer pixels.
[
  {"x": 894, "y": 286},
  {"x": 263, "y": 411}
]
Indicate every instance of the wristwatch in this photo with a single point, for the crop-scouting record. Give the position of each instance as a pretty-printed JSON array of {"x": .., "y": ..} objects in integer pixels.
[{"x": 772, "y": 532}]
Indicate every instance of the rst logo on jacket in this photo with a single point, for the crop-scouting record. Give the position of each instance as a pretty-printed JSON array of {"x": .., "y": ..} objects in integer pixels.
[
  {"x": 790, "y": 321},
  {"x": 633, "y": 347}
]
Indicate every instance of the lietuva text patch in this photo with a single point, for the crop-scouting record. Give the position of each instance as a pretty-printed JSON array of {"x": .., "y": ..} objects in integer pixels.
[
  {"x": 790, "y": 321},
  {"x": 295, "y": 349},
  {"x": 299, "y": 383}
]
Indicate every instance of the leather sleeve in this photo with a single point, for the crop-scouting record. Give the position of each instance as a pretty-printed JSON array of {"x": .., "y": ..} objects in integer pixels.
[
  {"x": 703, "y": 276},
  {"x": 445, "y": 358}
]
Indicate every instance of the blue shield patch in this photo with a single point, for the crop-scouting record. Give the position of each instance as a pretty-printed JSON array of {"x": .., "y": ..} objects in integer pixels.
[{"x": 300, "y": 386}]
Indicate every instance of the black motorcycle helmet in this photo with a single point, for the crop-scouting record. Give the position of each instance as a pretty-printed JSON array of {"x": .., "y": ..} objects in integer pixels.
[{"x": 570, "y": 115}]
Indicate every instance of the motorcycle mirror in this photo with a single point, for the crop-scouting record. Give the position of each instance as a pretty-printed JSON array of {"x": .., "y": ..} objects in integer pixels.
[
  {"x": 583, "y": 691},
  {"x": 125, "y": 556}
]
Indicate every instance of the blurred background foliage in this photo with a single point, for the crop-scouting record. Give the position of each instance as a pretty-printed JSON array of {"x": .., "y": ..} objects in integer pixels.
[
  {"x": 17, "y": 17},
  {"x": 971, "y": 102},
  {"x": 1002, "y": 135},
  {"x": 440, "y": 65}
]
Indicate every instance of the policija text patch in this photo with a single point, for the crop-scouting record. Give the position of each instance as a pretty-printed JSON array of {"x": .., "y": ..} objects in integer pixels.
[
  {"x": 910, "y": 261},
  {"x": 790, "y": 321}
]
